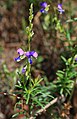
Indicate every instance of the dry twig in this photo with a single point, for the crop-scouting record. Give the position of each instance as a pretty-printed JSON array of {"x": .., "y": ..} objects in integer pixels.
[{"x": 47, "y": 106}]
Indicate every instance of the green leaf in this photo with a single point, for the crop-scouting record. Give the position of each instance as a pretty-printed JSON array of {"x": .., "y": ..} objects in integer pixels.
[
  {"x": 40, "y": 59},
  {"x": 61, "y": 91},
  {"x": 64, "y": 59},
  {"x": 75, "y": 19},
  {"x": 15, "y": 115}
]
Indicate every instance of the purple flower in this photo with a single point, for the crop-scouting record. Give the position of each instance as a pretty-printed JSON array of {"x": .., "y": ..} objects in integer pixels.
[
  {"x": 30, "y": 54},
  {"x": 75, "y": 58},
  {"x": 43, "y": 5},
  {"x": 42, "y": 10},
  {"x": 60, "y": 8},
  {"x": 27, "y": 54},
  {"x": 21, "y": 55},
  {"x": 24, "y": 69}
]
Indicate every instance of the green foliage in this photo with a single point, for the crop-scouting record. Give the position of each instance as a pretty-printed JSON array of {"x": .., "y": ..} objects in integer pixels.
[
  {"x": 58, "y": 25},
  {"x": 46, "y": 23},
  {"x": 71, "y": 20},
  {"x": 32, "y": 91},
  {"x": 52, "y": 22},
  {"x": 66, "y": 78},
  {"x": 9, "y": 4},
  {"x": 9, "y": 78}
]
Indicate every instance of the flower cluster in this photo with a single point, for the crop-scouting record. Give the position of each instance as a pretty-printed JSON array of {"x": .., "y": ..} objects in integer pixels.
[
  {"x": 60, "y": 8},
  {"x": 45, "y": 8},
  {"x": 28, "y": 54}
]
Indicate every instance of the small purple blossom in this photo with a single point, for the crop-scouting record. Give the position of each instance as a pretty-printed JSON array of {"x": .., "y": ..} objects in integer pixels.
[
  {"x": 42, "y": 10},
  {"x": 43, "y": 5},
  {"x": 75, "y": 58},
  {"x": 24, "y": 69},
  {"x": 30, "y": 54},
  {"x": 60, "y": 8}
]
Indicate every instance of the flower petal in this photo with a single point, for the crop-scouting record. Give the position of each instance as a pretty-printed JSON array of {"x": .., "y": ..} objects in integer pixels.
[
  {"x": 43, "y": 4},
  {"x": 17, "y": 59},
  {"x": 30, "y": 60},
  {"x": 20, "y": 51},
  {"x": 42, "y": 10},
  {"x": 35, "y": 54},
  {"x": 75, "y": 57},
  {"x": 29, "y": 53},
  {"x": 61, "y": 11},
  {"x": 24, "y": 69},
  {"x": 59, "y": 6}
]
